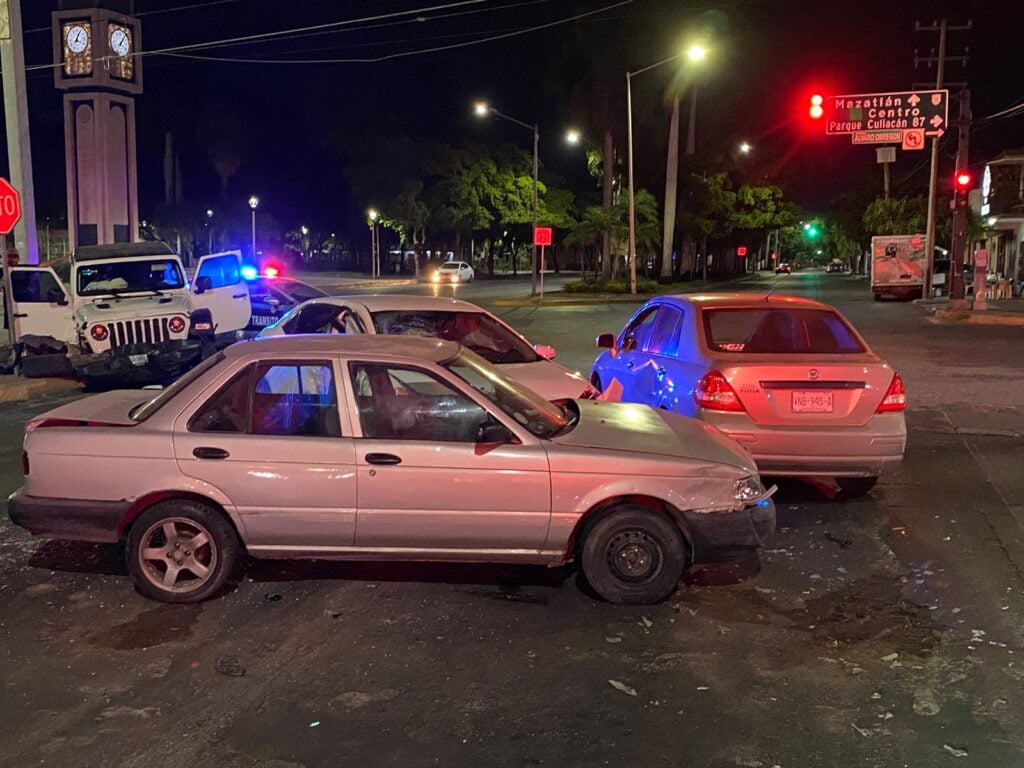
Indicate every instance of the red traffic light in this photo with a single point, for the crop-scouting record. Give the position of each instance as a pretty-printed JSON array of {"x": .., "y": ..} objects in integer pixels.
[
  {"x": 816, "y": 109},
  {"x": 963, "y": 180},
  {"x": 741, "y": 251}
]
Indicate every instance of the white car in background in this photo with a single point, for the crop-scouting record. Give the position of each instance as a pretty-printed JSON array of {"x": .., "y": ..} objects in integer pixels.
[
  {"x": 439, "y": 317},
  {"x": 453, "y": 272}
]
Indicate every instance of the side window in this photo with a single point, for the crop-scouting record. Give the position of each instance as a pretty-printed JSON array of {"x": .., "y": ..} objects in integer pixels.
[
  {"x": 664, "y": 338},
  {"x": 222, "y": 271},
  {"x": 31, "y": 286},
  {"x": 636, "y": 333},
  {"x": 227, "y": 410},
  {"x": 295, "y": 399},
  {"x": 411, "y": 404}
]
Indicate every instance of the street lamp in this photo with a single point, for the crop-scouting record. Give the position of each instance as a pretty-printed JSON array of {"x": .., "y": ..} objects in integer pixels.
[
  {"x": 745, "y": 148},
  {"x": 694, "y": 53},
  {"x": 483, "y": 109},
  {"x": 373, "y": 215},
  {"x": 209, "y": 230},
  {"x": 572, "y": 136},
  {"x": 254, "y": 203}
]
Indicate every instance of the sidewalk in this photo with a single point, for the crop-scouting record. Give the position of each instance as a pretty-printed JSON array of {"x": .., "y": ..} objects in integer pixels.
[
  {"x": 564, "y": 299},
  {"x": 998, "y": 312},
  {"x": 16, "y": 388}
]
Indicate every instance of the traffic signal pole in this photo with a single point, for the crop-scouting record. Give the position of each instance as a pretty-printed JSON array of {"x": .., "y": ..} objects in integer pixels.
[
  {"x": 933, "y": 177},
  {"x": 958, "y": 247}
]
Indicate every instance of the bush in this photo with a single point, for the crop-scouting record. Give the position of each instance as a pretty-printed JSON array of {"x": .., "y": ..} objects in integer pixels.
[{"x": 620, "y": 285}]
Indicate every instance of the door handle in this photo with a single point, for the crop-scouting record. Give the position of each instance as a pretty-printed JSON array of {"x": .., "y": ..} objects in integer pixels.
[
  {"x": 21, "y": 314},
  {"x": 238, "y": 296},
  {"x": 630, "y": 364},
  {"x": 383, "y": 458},
  {"x": 206, "y": 452}
]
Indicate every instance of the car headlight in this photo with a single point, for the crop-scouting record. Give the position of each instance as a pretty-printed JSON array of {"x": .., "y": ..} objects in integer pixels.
[
  {"x": 748, "y": 489},
  {"x": 436, "y": 277}
]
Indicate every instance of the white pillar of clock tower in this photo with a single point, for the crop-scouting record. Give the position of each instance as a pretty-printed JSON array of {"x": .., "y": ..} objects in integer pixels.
[{"x": 96, "y": 49}]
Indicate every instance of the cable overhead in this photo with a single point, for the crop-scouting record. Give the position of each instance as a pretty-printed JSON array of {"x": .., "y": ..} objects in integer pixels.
[{"x": 402, "y": 54}]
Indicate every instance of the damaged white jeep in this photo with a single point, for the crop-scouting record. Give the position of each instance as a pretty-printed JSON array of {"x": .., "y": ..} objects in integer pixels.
[{"x": 128, "y": 312}]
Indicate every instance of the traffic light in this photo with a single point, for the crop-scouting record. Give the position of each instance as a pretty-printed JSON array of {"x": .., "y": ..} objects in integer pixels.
[
  {"x": 811, "y": 231},
  {"x": 962, "y": 183},
  {"x": 816, "y": 110},
  {"x": 741, "y": 251}
]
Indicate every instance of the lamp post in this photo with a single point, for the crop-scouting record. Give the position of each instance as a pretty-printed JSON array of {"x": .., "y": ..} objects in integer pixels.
[
  {"x": 482, "y": 109},
  {"x": 695, "y": 53},
  {"x": 254, "y": 203},
  {"x": 373, "y": 215},
  {"x": 745, "y": 148},
  {"x": 209, "y": 230}
]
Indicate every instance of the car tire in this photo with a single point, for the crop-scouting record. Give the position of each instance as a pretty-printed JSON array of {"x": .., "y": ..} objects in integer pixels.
[
  {"x": 632, "y": 555},
  {"x": 855, "y": 487},
  {"x": 168, "y": 527}
]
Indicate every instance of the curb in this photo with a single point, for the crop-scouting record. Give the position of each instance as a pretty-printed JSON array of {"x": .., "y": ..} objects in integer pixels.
[
  {"x": 580, "y": 302},
  {"x": 961, "y": 317},
  {"x": 19, "y": 389}
]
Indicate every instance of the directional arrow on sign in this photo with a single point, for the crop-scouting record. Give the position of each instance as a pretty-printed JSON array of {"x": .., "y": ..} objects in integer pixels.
[
  {"x": 914, "y": 100},
  {"x": 937, "y": 134},
  {"x": 936, "y": 121}
]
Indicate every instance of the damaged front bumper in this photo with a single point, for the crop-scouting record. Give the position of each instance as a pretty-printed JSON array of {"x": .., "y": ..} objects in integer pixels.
[{"x": 140, "y": 364}]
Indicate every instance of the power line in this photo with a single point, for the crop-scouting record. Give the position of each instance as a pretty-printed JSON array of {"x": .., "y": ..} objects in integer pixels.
[
  {"x": 402, "y": 54},
  {"x": 193, "y": 6},
  {"x": 271, "y": 35}
]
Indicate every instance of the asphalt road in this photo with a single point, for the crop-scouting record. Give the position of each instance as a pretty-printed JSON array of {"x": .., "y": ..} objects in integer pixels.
[{"x": 881, "y": 632}]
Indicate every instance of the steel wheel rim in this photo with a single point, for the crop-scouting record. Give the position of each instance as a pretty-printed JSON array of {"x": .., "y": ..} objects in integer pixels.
[
  {"x": 634, "y": 556},
  {"x": 177, "y": 555}
]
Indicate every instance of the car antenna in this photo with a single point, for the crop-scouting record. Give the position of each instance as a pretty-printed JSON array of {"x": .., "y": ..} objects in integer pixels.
[{"x": 768, "y": 295}]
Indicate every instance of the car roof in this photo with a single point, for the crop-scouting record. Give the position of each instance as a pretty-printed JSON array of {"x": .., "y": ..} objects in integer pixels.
[
  {"x": 385, "y": 303},
  {"x": 420, "y": 347},
  {"x": 121, "y": 250},
  {"x": 744, "y": 300}
]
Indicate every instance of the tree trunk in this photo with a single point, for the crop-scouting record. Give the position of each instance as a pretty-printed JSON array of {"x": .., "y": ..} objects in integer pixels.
[
  {"x": 607, "y": 170},
  {"x": 671, "y": 185}
]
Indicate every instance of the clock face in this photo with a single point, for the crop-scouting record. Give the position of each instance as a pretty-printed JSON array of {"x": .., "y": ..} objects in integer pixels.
[
  {"x": 120, "y": 41},
  {"x": 78, "y": 38}
]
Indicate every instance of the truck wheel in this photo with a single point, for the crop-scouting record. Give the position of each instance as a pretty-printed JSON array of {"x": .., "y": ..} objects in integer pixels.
[
  {"x": 855, "y": 487},
  {"x": 181, "y": 551},
  {"x": 633, "y": 555}
]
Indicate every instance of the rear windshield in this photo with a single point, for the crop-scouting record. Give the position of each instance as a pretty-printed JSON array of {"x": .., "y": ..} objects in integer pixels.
[
  {"x": 147, "y": 409},
  {"x": 478, "y": 331},
  {"x": 779, "y": 331}
]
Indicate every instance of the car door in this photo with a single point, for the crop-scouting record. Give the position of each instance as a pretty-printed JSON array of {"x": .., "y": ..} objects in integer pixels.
[
  {"x": 425, "y": 483},
  {"x": 273, "y": 440},
  {"x": 627, "y": 364},
  {"x": 219, "y": 286},
  {"x": 38, "y": 304}
]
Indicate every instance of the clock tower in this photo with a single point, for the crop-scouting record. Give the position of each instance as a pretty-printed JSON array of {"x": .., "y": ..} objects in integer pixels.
[{"x": 96, "y": 49}]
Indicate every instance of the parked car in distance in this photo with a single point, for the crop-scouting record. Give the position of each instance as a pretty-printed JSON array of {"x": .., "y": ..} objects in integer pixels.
[
  {"x": 384, "y": 448},
  {"x": 783, "y": 268},
  {"x": 272, "y": 297},
  {"x": 444, "y": 318},
  {"x": 835, "y": 266},
  {"x": 788, "y": 377},
  {"x": 453, "y": 272}
]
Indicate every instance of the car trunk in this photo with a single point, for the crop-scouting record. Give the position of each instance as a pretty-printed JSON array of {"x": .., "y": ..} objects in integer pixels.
[
  {"x": 805, "y": 390},
  {"x": 108, "y": 408}
]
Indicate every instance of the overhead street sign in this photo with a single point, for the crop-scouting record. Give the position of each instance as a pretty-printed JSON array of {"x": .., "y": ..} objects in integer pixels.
[
  {"x": 10, "y": 206},
  {"x": 898, "y": 111}
]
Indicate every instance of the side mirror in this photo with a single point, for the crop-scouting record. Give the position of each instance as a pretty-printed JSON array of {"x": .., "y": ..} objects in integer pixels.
[
  {"x": 606, "y": 341},
  {"x": 56, "y": 296},
  {"x": 492, "y": 432},
  {"x": 548, "y": 353},
  {"x": 204, "y": 284}
]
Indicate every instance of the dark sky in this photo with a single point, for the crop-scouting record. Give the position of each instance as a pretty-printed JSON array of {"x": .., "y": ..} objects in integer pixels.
[{"x": 767, "y": 55}]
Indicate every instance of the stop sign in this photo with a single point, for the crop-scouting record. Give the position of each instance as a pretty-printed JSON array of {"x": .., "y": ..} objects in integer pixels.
[{"x": 10, "y": 206}]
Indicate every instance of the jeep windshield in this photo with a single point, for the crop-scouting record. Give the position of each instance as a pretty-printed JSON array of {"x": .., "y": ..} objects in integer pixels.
[{"x": 129, "y": 276}]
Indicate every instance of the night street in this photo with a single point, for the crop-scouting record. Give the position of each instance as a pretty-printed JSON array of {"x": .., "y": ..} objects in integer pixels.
[{"x": 880, "y": 632}]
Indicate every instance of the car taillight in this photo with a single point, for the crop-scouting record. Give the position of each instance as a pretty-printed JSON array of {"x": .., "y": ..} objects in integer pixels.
[
  {"x": 33, "y": 424},
  {"x": 716, "y": 394},
  {"x": 98, "y": 332},
  {"x": 176, "y": 324},
  {"x": 895, "y": 397},
  {"x": 24, "y": 463}
]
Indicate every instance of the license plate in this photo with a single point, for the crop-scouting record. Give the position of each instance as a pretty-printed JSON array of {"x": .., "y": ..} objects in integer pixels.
[
  {"x": 138, "y": 359},
  {"x": 815, "y": 401}
]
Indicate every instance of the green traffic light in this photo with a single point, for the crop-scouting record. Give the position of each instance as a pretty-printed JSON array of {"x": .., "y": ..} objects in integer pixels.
[{"x": 812, "y": 232}]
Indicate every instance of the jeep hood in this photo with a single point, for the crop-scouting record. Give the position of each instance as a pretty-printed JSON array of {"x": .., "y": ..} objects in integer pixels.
[
  {"x": 635, "y": 428},
  {"x": 132, "y": 307}
]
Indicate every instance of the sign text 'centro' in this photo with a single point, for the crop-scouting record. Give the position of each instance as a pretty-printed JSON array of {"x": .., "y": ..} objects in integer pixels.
[{"x": 924, "y": 110}]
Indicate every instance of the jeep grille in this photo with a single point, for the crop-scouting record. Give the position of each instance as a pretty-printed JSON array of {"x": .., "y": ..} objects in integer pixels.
[{"x": 150, "y": 330}]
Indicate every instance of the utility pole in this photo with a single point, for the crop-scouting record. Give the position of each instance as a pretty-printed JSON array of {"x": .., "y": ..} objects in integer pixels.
[
  {"x": 959, "y": 243},
  {"x": 940, "y": 69},
  {"x": 671, "y": 187},
  {"x": 19, "y": 150}
]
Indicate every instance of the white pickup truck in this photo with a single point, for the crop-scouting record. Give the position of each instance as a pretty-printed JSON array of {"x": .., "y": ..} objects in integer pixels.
[{"x": 128, "y": 293}]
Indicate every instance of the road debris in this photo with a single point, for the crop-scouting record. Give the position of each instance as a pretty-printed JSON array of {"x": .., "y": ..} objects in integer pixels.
[
  {"x": 890, "y": 657},
  {"x": 955, "y": 751},
  {"x": 861, "y": 731},
  {"x": 843, "y": 543},
  {"x": 646, "y": 622},
  {"x": 613, "y": 639},
  {"x": 273, "y": 597},
  {"x": 230, "y": 666},
  {"x": 619, "y": 686},
  {"x": 314, "y": 724}
]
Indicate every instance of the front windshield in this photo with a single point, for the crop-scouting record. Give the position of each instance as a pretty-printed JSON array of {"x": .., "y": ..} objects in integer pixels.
[
  {"x": 541, "y": 417},
  {"x": 450, "y": 267},
  {"x": 300, "y": 292},
  {"x": 477, "y": 331},
  {"x": 129, "y": 276}
]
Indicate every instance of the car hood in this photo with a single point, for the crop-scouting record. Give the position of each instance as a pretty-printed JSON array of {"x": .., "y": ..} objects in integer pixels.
[
  {"x": 133, "y": 306},
  {"x": 549, "y": 380},
  {"x": 641, "y": 429},
  {"x": 108, "y": 407}
]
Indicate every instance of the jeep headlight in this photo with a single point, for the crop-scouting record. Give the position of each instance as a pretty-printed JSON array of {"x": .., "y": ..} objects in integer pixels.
[{"x": 748, "y": 489}]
